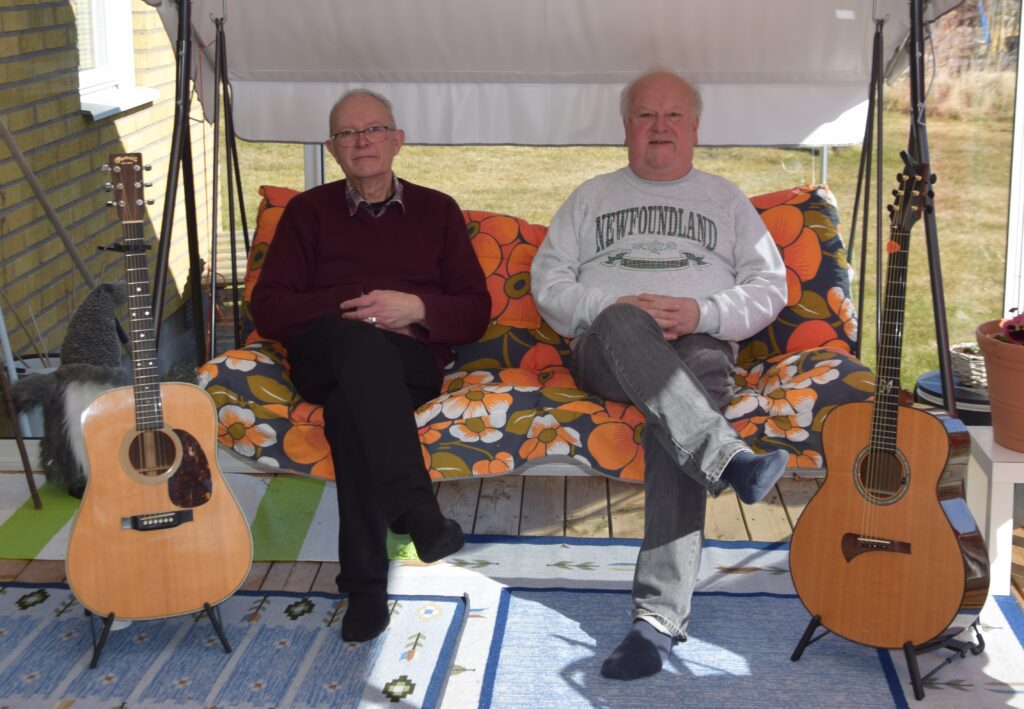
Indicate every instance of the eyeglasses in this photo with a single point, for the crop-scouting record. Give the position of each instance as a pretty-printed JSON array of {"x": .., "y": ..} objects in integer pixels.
[{"x": 373, "y": 134}]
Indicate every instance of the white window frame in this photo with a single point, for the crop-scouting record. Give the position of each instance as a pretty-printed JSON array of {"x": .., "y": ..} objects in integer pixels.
[{"x": 109, "y": 88}]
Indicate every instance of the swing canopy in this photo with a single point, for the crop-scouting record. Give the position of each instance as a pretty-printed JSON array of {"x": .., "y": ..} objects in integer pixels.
[{"x": 549, "y": 72}]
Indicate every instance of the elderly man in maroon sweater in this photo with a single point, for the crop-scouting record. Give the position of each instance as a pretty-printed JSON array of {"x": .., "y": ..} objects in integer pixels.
[{"x": 369, "y": 282}]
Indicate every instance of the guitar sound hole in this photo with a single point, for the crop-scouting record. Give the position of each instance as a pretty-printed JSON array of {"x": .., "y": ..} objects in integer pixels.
[
  {"x": 881, "y": 476},
  {"x": 152, "y": 453}
]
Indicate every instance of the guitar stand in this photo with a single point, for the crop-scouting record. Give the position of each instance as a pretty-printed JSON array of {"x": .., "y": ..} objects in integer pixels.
[
  {"x": 212, "y": 612},
  {"x": 960, "y": 649}
]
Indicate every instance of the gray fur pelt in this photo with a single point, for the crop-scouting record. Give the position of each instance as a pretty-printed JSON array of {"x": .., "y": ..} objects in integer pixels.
[{"x": 90, "y": 363}]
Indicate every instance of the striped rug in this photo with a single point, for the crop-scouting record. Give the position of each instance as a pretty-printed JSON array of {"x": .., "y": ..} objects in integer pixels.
[{"x": 292, "y": 518}]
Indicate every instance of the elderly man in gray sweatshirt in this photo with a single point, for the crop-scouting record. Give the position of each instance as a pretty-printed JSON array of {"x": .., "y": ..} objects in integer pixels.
[{"x": 657, "y": 270}]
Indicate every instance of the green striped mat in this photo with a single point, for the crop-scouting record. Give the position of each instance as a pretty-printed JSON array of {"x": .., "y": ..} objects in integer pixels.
[{"x": 292, "y": 518}]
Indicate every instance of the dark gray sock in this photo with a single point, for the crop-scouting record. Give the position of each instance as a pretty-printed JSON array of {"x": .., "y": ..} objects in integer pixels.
[
  {"x": 641, "y": 654},
  {"x": 753, "y": 476}
]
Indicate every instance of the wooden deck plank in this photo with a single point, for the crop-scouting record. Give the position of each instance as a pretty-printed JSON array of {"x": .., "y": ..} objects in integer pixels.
[
  {"x": 325, "y": 577},
  {"x": 257, "y": 572},
  {"x": 42, "y": 571},
  {"x": 723, "y": 519},
  {"x": 10, "y": 568},
  {"x": 796, "y": 493},
  {"x": 626, "y": 509},
  {"x": 766, "y": 520},
  {"x": 1017, "y": 558},
  {"x": 500, "y": 505},
  {"x": 458, "y": 500},
  {"x": 543, "y": 511},
  {"x": 302, "y": 575},
  {"x": 277, "y": 576},
  {"x": 586, "y": 507}
]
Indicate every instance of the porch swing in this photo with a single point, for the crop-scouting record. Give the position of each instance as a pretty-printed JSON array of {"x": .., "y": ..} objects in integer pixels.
[{"x": 815, "y": 339}]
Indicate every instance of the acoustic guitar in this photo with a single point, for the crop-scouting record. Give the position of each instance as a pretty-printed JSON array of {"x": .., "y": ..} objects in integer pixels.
[
  {"x": 159, "y": 532},
  {"x": 887, "y": 553}
]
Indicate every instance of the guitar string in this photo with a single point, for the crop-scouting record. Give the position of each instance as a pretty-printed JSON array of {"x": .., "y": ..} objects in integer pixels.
[
  {"x": 883, "y": 476},
  {"x": 155, "y": 452}
]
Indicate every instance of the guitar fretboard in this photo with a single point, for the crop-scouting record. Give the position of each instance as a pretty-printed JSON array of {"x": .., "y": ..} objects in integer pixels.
[
  {"x": 906, "y": 210},
  {"x": 145, "y": 371}
]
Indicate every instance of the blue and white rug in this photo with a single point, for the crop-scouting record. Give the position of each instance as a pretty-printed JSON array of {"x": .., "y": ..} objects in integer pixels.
[
  {"x": 546, "y": 611},
  {"x": 287, "y": 653}
]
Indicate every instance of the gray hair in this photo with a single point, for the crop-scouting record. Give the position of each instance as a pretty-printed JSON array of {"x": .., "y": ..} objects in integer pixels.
[
  {"x": 626, "y": 98},
  {"x": 360, "y": 92}
]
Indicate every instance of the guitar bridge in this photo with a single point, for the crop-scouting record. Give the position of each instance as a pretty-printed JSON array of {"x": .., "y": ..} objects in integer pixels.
[
  {"x": 856, "y": 544},
  {"x": 157, "y": 520}
]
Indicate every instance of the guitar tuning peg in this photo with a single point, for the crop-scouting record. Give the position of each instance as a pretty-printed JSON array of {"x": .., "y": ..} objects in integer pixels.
[
  {"x": 147, "y": 168},
  {"x": 891, "y": 208},
  {"x": 895, "y": 193},
  {"x": 933, "y": 178},
  {"x": 111, "y": 203},
  {"x": 104, "y": 168},
  {"x": 150, "y": 201},
  {"x": 147, "y": 184},
  {"x": 107, "y": 187}
]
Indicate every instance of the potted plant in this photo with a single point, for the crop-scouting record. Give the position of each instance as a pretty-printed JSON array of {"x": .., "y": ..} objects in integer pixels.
[{"x": 1002, "y": 344}]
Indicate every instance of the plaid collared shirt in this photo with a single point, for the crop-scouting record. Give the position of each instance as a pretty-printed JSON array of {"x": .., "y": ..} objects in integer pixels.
[{"x": 355, "y": 200}]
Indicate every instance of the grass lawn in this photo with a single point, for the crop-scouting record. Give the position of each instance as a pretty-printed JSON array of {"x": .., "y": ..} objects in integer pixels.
[{"x": 970, "y": 157}]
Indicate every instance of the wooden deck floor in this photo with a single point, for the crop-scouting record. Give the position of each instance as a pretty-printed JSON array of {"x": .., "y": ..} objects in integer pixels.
[
  {"x": 541, "y": 506},
  {"x": 530, "y": 506}
]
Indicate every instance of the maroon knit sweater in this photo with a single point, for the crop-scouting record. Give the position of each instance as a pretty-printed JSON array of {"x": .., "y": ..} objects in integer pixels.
[{"x": 321, "y": 256}]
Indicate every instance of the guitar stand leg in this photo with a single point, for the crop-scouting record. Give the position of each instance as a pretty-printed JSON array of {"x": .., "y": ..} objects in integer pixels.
[
  {"x": 97, "y": 647},
  {"x": 910, "y": 652},
  {"x": 959, "y": 648},
  {"x": 807, "y": 639},
  {"x": 214, "y": 615}
]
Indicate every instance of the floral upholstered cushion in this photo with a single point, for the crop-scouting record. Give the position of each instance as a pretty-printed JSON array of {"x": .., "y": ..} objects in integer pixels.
[
  {"x": 819, "y": 312},
  {"x": 269, "y": 214},
  {"x": 509, "y": 400}
]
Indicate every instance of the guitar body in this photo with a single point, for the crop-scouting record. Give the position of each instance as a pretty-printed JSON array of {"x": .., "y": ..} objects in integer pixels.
[
  {"x": 155, "y": 540},
  {"x": 886, "y": 552}
]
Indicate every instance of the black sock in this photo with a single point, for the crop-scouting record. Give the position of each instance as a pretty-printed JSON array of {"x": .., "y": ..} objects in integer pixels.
[
  {"x": 641, "y": 654},
  {"x": 753, "y": 476},
  {"x": 366, "y": 617},
  {"x": 434, "y": 535}
]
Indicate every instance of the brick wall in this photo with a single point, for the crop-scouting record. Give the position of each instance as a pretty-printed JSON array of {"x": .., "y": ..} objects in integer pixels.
[{"x": 39, "y": 101}]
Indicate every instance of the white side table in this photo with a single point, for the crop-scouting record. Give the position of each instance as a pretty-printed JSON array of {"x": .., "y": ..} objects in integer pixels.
[{"x": 989, "y": 487}]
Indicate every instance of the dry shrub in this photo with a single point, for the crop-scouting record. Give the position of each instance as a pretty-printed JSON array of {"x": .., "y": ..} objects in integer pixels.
[{"x": 972, "y": 94}]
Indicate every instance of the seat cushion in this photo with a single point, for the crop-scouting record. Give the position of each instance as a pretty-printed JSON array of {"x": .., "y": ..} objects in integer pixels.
[{"x": 509, "y": 401}]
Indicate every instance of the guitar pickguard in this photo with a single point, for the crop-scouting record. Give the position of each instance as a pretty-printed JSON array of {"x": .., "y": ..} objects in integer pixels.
[{"x": 191, "y": 485}]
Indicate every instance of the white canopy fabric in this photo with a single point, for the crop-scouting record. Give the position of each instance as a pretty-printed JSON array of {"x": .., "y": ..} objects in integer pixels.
[{"x": 547, "y": 72}]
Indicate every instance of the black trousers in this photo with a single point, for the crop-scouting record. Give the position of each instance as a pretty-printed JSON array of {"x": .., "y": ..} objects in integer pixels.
[{"x": 369, "y": 381}]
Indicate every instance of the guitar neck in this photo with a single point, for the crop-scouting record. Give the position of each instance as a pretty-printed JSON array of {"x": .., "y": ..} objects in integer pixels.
[
  {"x": 912, "y": 198},
  {"x": 890, "y": 343},
  {"x": 127, "y": 179}
]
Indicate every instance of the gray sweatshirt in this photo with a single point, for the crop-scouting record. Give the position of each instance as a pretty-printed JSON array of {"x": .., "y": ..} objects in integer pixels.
[{"x": 696, "y": 237}]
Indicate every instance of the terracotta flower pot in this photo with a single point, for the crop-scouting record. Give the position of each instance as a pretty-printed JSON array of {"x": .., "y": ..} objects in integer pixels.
[{"x": 1004, "y": 365}]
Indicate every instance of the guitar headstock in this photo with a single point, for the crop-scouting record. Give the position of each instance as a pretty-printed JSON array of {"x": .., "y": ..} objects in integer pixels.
[
  {"x": 127, "y": 185},
  {"x": 914, "y": 195}
]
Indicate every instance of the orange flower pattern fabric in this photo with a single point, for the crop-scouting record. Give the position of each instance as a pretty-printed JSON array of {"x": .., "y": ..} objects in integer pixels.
[{"x": 509, "y": 399}]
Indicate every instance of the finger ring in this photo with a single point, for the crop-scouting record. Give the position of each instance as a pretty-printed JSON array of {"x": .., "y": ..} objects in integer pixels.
[{"x": 372, "y": 319}]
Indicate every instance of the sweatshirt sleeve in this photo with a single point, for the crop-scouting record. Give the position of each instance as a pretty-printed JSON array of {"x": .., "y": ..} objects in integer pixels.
[
  {"x": 283, "y": 299},
  {"x": 743, "y": 310},
  {"x": 565, "y": 304},
  {"x": 461, "y": 311}
]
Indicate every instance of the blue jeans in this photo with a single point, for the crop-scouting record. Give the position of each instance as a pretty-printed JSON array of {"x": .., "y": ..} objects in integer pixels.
[{"x": 681, "y": 387}]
